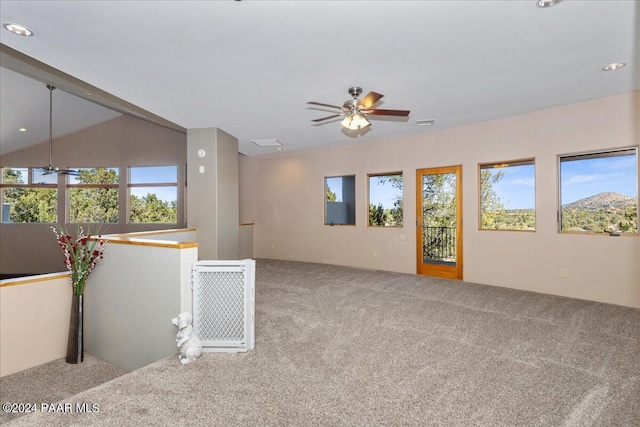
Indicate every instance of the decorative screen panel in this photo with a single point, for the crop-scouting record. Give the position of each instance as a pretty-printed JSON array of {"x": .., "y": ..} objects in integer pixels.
[{"x": 223, "y": 304}]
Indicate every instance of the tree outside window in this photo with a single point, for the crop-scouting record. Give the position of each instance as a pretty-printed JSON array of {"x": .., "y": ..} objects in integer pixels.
[
  {"x": 153, "y": 194},
  {"x": 507, "y": 195},
  {"x": 386, "y": 200},
  {"x": 28, "y": 196},
  {"x": 93, "y": 196}
]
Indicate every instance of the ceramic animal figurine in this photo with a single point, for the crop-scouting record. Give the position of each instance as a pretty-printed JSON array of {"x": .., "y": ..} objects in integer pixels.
[{"x": 186, "y": 340}]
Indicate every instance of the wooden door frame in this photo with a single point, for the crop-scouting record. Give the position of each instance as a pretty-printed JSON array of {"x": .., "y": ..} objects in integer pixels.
[{"x": 435, "y": 269}]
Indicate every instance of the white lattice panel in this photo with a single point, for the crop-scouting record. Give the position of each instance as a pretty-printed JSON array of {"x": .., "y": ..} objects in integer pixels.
[{"x": 223, "y": 304}]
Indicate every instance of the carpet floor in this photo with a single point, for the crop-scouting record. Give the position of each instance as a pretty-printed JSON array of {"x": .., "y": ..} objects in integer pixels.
[
  {"x": 339, "y": 346},
  {"x": 53, "y": 382}
]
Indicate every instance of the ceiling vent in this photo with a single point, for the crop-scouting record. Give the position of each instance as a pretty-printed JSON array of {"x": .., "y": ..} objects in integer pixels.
[
  {"x": 266, "y": 142},
  {"x": 425, "y": 122}
]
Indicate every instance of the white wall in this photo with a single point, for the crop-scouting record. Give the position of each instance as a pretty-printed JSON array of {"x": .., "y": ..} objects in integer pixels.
[
  {"x": 131, "y": 297},
  {"x": 287, "y": 206}
]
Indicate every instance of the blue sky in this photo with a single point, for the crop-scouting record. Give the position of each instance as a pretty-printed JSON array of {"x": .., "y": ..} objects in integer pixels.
[
  {"x": 378, "y": 193},
  {"x": 385, "y": 193},
  {"x": 152, "y": 174},
  {"x": 587, "y": 178},
  {"x": 517, "y": 186},
  {"x": 580, "y": 179},
  {"x": 155, "y": 174}
]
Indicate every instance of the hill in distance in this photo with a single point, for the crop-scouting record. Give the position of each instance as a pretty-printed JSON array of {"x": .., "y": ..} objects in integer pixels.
[{"x": 606, "y": 200}]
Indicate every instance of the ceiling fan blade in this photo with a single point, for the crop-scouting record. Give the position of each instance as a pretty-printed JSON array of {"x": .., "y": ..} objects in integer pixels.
[
  {"x": 380, "y": 112},
  {"x": 327, "y": 118},
  {"x": 370, "y": 99},
  {"x": 324, "y": 105},
  {"x": 50, "y": 170}
]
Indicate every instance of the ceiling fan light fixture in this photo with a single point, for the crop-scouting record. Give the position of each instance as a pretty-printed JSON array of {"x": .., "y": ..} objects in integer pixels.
[
  {"x": 17, "y": 29},
  {"x": 355, "y": 122}
]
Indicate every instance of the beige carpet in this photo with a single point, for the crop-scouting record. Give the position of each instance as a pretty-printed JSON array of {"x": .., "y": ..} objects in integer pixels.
[
  {"x": 52, "y": 382},
  {"x": 339, "y": 346}
]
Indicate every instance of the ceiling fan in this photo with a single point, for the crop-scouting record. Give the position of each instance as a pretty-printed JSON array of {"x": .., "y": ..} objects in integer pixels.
[
  {"x": 354, "y": 110},
  {"x": 50, "y": 169}
]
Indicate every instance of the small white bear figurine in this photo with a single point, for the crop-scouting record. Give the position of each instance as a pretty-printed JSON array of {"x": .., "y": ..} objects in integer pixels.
[{"x": 186, "y": 340}]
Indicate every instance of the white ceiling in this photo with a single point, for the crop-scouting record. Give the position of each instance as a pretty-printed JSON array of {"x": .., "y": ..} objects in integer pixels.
[{"x": 249, "y": 67}]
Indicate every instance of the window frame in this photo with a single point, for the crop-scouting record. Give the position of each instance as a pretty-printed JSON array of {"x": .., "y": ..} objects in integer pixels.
[
  {"x": 29, "y": 184},
  {"x": 131, "y": 185},
  {"x": 69, "y": 186},
  {"x": 325, "y": 201},
  {"x": 503, "y": 165},
  {"x": 387, "y": 174},
  {"x": 597, "y": 154}
]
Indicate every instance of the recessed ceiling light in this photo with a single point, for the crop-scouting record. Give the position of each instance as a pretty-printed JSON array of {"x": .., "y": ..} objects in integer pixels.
[
  {"x": 425, "y": 122},
  {"x": 18, "y": 29},
  {"x": 22, "y": 129},
  {"x": 266, "y": 142},
  {"x": 614, "y": 66},
  {"x": 547, "y": 3}
]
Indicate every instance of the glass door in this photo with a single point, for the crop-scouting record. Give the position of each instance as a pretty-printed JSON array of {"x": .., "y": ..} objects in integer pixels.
[{"x": 439, "y": 221}]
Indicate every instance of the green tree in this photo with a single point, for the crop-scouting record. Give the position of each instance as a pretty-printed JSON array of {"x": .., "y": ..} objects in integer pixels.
[
  {"x": 28, "y": 204},
  {"x": 331, "y": 196},
  {"x": 151, "y": 209},
  {"x": 95, "y": 205},
  {"x": 376, "y": 215},
  {"x": 491, "y": 208},
  {"x": 394, "y": 216}
]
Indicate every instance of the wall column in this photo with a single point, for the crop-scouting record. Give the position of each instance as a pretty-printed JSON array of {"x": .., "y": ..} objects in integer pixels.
[{"x": 212, "y": 192}]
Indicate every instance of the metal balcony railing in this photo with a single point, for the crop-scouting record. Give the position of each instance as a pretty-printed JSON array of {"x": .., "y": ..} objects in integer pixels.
[{"x": 439, "y": 244}]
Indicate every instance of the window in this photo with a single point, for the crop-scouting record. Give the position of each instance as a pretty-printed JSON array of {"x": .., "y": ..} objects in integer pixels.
[
  {"x": 385, "y": 200},
  {"x": 599, "y": 191},
  {"x": 28, "y": 196},
  {"x": 93, "y": 195},
  {"x": 340, "y": 200},
  {"x": 153, "y": 194},
  {"x": 508, "y": 195}
]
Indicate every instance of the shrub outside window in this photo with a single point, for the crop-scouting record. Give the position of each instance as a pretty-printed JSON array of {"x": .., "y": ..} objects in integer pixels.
[
  {"x": 153, "y": 194},
  {"x": 386, "y": 200},
  {"x": 93, "y": 195},
  {"x": 29, "y": 196},
  {"x": 508, "y": 195},
  {"x": 599, "y": 192}
]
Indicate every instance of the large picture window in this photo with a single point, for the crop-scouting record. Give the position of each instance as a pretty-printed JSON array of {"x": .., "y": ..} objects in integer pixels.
[
  {"x": 153, "y": 194},
  {"x": 508, "y": 195},
  {"x": 340, "y": 200},
  {"x": 599, "y": 191},
  {"x": 93, "y": 195},
  {"x": 28, "y": 195},
  {"x": 386, "y": 200}
]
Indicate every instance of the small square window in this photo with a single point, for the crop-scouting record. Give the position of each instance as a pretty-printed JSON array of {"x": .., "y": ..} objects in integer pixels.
[
  {"x": 599, "y": 192},
  {"x": 153, "y": 194},
  {"x": 340, "y": 200},
  {"x": 508, "y": 195},
  {"x": 386, "y": 200},
  {"x": 94, "y": 195}
]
